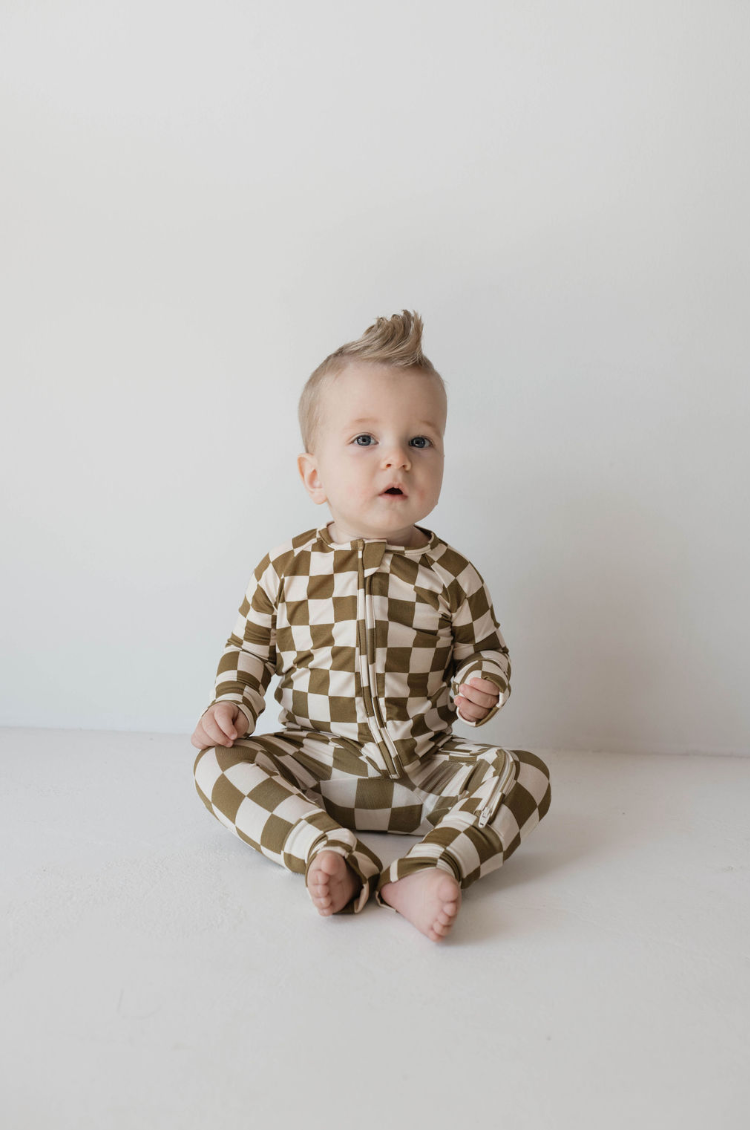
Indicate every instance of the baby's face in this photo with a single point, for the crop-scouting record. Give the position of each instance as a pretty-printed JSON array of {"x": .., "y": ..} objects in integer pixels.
[{"x": 380, "y": 426}]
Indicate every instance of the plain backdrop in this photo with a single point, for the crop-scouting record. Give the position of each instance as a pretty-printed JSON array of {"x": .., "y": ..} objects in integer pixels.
[{"x": 201, "y": 201}]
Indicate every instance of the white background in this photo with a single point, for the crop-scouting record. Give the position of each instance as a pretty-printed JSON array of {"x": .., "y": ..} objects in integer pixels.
[{"x": 201, "y": 201}]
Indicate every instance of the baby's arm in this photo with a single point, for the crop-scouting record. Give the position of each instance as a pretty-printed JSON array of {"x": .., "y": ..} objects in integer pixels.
[
  {"x": 479, "y": 652},
  {"x": 247, "y": 664}
]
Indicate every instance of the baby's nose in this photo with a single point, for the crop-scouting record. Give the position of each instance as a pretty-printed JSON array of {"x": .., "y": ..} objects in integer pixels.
[{"x": 397, "y": 454}]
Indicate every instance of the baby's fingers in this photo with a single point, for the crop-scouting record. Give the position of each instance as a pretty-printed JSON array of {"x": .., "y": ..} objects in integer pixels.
[
  {"x": 224, "y": 715},
  {"x": 468, "y": 711},
  {"x": 241, "y": 724},
  {"x": 480, "y": 691},
  {"x": 213, "y": 731},
  {"x": 201, "y": 739}
]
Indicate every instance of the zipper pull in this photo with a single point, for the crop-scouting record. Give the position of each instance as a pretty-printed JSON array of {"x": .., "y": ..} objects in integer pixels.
[
  {"x": 494, "y": 798},
  {"x": 487, "y": 811},
  {"x": 499, "y": 790}
]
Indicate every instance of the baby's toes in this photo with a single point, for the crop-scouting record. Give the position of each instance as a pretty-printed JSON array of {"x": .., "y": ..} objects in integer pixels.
[
  {"x": 318, "y": 876},
  {"x": 320, "y": 890}
]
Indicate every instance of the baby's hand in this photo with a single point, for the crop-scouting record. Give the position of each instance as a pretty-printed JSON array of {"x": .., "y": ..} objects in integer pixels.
[
  {"x": 220, "y": 725},
  {"x": 478, "y": 698}
]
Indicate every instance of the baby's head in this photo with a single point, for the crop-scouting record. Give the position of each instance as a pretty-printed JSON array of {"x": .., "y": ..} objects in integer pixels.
[{"x": 373, "y": 414}]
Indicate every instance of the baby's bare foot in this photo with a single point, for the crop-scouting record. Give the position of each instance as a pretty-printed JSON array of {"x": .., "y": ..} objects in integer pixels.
[
  {"x": 332, "y": 883},
  {"x": 430, "y": 899}
]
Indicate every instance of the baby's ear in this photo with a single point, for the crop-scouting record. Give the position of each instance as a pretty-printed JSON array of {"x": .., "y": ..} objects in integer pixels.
[{"x": 309, "y": 474}]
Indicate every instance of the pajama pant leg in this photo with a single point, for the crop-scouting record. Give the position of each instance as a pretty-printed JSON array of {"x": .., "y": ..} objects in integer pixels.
[
  {"x": 266, "y": 789},
  {"x": 456, "y": 784},
  {"x": 291, "y": 795}
]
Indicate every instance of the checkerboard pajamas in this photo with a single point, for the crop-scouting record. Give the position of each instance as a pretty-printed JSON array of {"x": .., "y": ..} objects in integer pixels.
[{"x": 370, "y": 642}]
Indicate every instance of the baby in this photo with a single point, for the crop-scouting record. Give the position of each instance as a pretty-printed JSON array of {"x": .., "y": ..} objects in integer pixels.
[{"x": 383, "y": 635}]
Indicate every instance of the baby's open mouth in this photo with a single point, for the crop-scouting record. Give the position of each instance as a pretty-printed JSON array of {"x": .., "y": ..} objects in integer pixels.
[{"x": 394, "y": 491}]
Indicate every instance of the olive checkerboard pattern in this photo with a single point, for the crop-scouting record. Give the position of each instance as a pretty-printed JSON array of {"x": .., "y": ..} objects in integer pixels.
[
  {"x": 294, "y": 794},
  {"x": 370, "y": 642}
]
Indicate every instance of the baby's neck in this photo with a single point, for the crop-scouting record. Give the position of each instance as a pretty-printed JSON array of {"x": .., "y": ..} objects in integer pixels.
[{"x": 416, "y": 538}]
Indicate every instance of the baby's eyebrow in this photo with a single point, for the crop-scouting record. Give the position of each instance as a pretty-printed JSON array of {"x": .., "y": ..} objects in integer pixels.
[{"x": 372, "y": 420}]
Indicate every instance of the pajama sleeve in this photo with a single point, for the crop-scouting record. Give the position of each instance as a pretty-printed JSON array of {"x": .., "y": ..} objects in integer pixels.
[
  {"x": 479, "y": 649},
  {"x": 248, "y": 661}
]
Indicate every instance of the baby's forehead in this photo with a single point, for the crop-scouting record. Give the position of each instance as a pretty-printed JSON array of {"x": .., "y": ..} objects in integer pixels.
[
  {"x": 367, "y": 398},
  {"x": 384, "y": 411}
]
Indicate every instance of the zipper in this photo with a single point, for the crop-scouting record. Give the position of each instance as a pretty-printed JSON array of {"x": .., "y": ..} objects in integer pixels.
[
  {"x": 493, "y": 800},
  {"x": 368, "y": 674}
]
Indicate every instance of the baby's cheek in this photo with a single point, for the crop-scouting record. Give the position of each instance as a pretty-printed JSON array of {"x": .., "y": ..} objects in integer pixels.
[{"x": 357, "y": 492}]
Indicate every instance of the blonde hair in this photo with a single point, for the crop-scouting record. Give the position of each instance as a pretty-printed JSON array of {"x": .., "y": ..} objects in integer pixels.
[{"x": 395, "y": 341}]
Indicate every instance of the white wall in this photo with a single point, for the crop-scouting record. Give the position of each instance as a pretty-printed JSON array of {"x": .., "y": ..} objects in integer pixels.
[{"x": 200, "y": 201}]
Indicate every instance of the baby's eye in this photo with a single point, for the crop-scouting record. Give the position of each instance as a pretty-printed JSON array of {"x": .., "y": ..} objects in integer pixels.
[{"x": 366, "y": 435}]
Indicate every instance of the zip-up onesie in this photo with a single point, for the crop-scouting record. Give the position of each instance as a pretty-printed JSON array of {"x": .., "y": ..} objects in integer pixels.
[{"x": 371, "y": 642}]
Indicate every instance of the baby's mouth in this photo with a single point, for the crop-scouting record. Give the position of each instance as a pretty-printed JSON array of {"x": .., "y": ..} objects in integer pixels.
[{"x": 392, "y": 492}]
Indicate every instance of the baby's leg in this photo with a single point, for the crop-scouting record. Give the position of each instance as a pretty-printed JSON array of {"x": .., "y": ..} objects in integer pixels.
[
  {"x": 257, "y": 789},
  {"x": 463, "y": 842}
]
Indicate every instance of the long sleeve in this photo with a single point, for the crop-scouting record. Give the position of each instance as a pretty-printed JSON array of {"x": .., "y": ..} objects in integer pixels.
[
  {"x": 248, "y": 661},
  {"x": 479, "y": 649}
]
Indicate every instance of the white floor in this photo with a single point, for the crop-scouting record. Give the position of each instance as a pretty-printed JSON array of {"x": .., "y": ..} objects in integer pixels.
[{"x": 156, "y": 972}]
